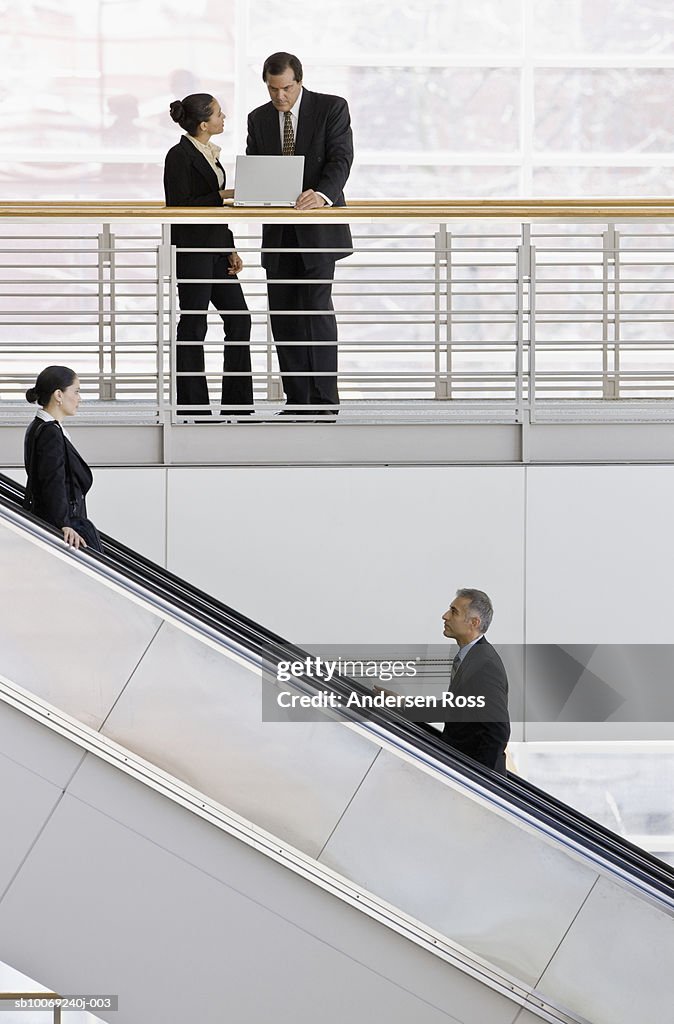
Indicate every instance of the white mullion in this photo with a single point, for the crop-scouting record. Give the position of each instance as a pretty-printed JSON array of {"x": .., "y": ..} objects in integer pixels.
[{"x": 527, "y": 105}]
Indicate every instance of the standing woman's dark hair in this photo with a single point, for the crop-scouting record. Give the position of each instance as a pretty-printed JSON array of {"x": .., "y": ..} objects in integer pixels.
[
  {"x": 58, "y": 476},
  {"x": 194, "y": 176},
  {"x": 190, "y": 112}
]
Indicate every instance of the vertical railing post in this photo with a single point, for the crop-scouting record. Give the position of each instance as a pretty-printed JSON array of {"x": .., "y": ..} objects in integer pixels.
[
  {"x": 525, "y": 329},
  {"x": 103, "y": 262},
  {"x": 616, "y": 313},
  {"x": 111, "y": 380},
  {"x": 440, "y": 390},
  {"x": 164, "y": 274},
  {"x": 273, "y": 384},
  {"x": 443, "y": 340},
  {"x": 530, "y": 354},
  {"x": 609, "y": 313}
]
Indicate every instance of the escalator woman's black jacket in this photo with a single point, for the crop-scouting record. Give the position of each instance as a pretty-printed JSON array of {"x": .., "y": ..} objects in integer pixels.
[{"x": 48, "y": 456}]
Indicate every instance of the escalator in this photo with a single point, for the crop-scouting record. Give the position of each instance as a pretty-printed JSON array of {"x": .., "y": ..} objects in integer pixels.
[{"x": 168, "y": 845}]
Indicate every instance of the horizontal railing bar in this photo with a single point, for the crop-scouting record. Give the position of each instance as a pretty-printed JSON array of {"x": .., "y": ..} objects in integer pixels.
[
  {"x": 53, "y": 238},
  {"x": 76, "y": 250},
  {"x": 87, "y": 281}
]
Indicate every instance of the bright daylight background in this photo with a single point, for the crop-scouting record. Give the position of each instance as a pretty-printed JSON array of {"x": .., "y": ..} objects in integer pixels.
[{"x": 488, "y": 98}]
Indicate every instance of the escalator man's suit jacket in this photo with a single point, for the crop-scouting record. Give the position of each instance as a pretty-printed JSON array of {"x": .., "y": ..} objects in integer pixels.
[{"x": 481, "y": 733}]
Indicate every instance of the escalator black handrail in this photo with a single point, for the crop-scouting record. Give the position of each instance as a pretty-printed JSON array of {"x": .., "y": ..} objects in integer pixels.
[{"x": 270, "y": 648}]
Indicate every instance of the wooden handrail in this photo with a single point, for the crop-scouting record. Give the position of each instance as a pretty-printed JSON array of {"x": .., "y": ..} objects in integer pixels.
[{"x": 657, "y": 208}]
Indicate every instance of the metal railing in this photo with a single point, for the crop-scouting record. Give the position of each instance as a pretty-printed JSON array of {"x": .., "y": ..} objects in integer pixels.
[{"x": 506, "y": 311}]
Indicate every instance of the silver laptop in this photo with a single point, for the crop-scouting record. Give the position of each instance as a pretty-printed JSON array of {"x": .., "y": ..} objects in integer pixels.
[{"x": 268, "y": 180}]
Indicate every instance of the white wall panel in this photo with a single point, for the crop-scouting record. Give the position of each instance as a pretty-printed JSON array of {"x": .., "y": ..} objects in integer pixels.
[
  {"x": 26, "y": 801},
  {"x": 198, "y": 715},
  {"x": 600, "y": 550},
  {"x": 372, "y": 554},
  {"x": 351, "y": 555},
  {"x": 491, "y": 886},
  {"x": 130, "y": 505},
  {"x": 615, "y": 931},
  {"x": 45, "y": 753}
]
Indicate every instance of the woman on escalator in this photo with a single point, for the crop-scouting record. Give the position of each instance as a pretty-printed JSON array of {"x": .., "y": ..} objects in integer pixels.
[{"x": 58, "y": 476}]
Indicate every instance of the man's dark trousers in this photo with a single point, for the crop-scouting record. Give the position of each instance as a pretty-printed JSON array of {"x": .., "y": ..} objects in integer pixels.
[{"x": 309, "y": 369}]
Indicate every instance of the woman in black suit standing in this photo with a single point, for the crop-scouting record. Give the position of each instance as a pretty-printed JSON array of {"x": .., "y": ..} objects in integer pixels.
[
  {"x": 193, "y": 176},
  {"x": 58, "y": 476}
]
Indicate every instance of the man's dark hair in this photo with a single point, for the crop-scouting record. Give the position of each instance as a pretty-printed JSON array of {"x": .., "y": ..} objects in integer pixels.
[
  {"x": 480, "y": 606},
  {"x": 279, "y": 62}
]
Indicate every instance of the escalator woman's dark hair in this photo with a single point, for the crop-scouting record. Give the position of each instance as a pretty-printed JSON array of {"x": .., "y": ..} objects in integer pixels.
[{"x": 51, "y": 379}]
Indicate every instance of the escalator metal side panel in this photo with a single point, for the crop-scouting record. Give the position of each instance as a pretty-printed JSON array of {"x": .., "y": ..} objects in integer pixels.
[
  {"x": 615, "y": 962},
  {"x": 63, "y": 635},
  {"x": 198, "y": 715},
  {"x": 122, "y": 891},
  {"x": 453, "y": 863}
]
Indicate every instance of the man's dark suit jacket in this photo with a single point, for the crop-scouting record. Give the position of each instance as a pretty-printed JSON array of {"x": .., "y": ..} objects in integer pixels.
[
  {"x": 189, "y": 180},
  {"x": 325, "y": 141},
  {"x": 48, "y": 456},
  {"x": 481, "y": 733}
]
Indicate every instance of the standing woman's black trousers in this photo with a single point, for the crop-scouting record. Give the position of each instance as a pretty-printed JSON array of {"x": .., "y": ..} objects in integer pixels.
[{"x": 215, "y": 286}]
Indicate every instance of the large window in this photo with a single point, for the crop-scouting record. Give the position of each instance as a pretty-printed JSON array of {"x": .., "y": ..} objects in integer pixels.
[{"x": 497, "y": 97}]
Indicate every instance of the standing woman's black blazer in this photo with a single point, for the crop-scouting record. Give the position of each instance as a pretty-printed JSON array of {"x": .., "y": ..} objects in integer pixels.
[
  {"x": 189, "y": 180},
  {"x": 48, "y": 455}
]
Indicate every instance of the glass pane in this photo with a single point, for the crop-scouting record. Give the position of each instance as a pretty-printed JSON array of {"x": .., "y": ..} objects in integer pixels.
[
  {"x": 437, "y": 26},
  {"x": 105, "y": 72},
  {"x": 396, "y": 108},
  {"x": 603, "y": 26},
  {"x": 102, "y": 76},
  {"x": 395, "y": 180},
  {"x": 611, "y": 109},
  {"x": 603, "y": 181}
]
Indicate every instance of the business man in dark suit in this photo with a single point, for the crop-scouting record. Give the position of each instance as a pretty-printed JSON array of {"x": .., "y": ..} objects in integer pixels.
[
  {"x": 318, "y": 127},
  {"x": 193, "y": 176},
  {"x": 477, "y": 671}
]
